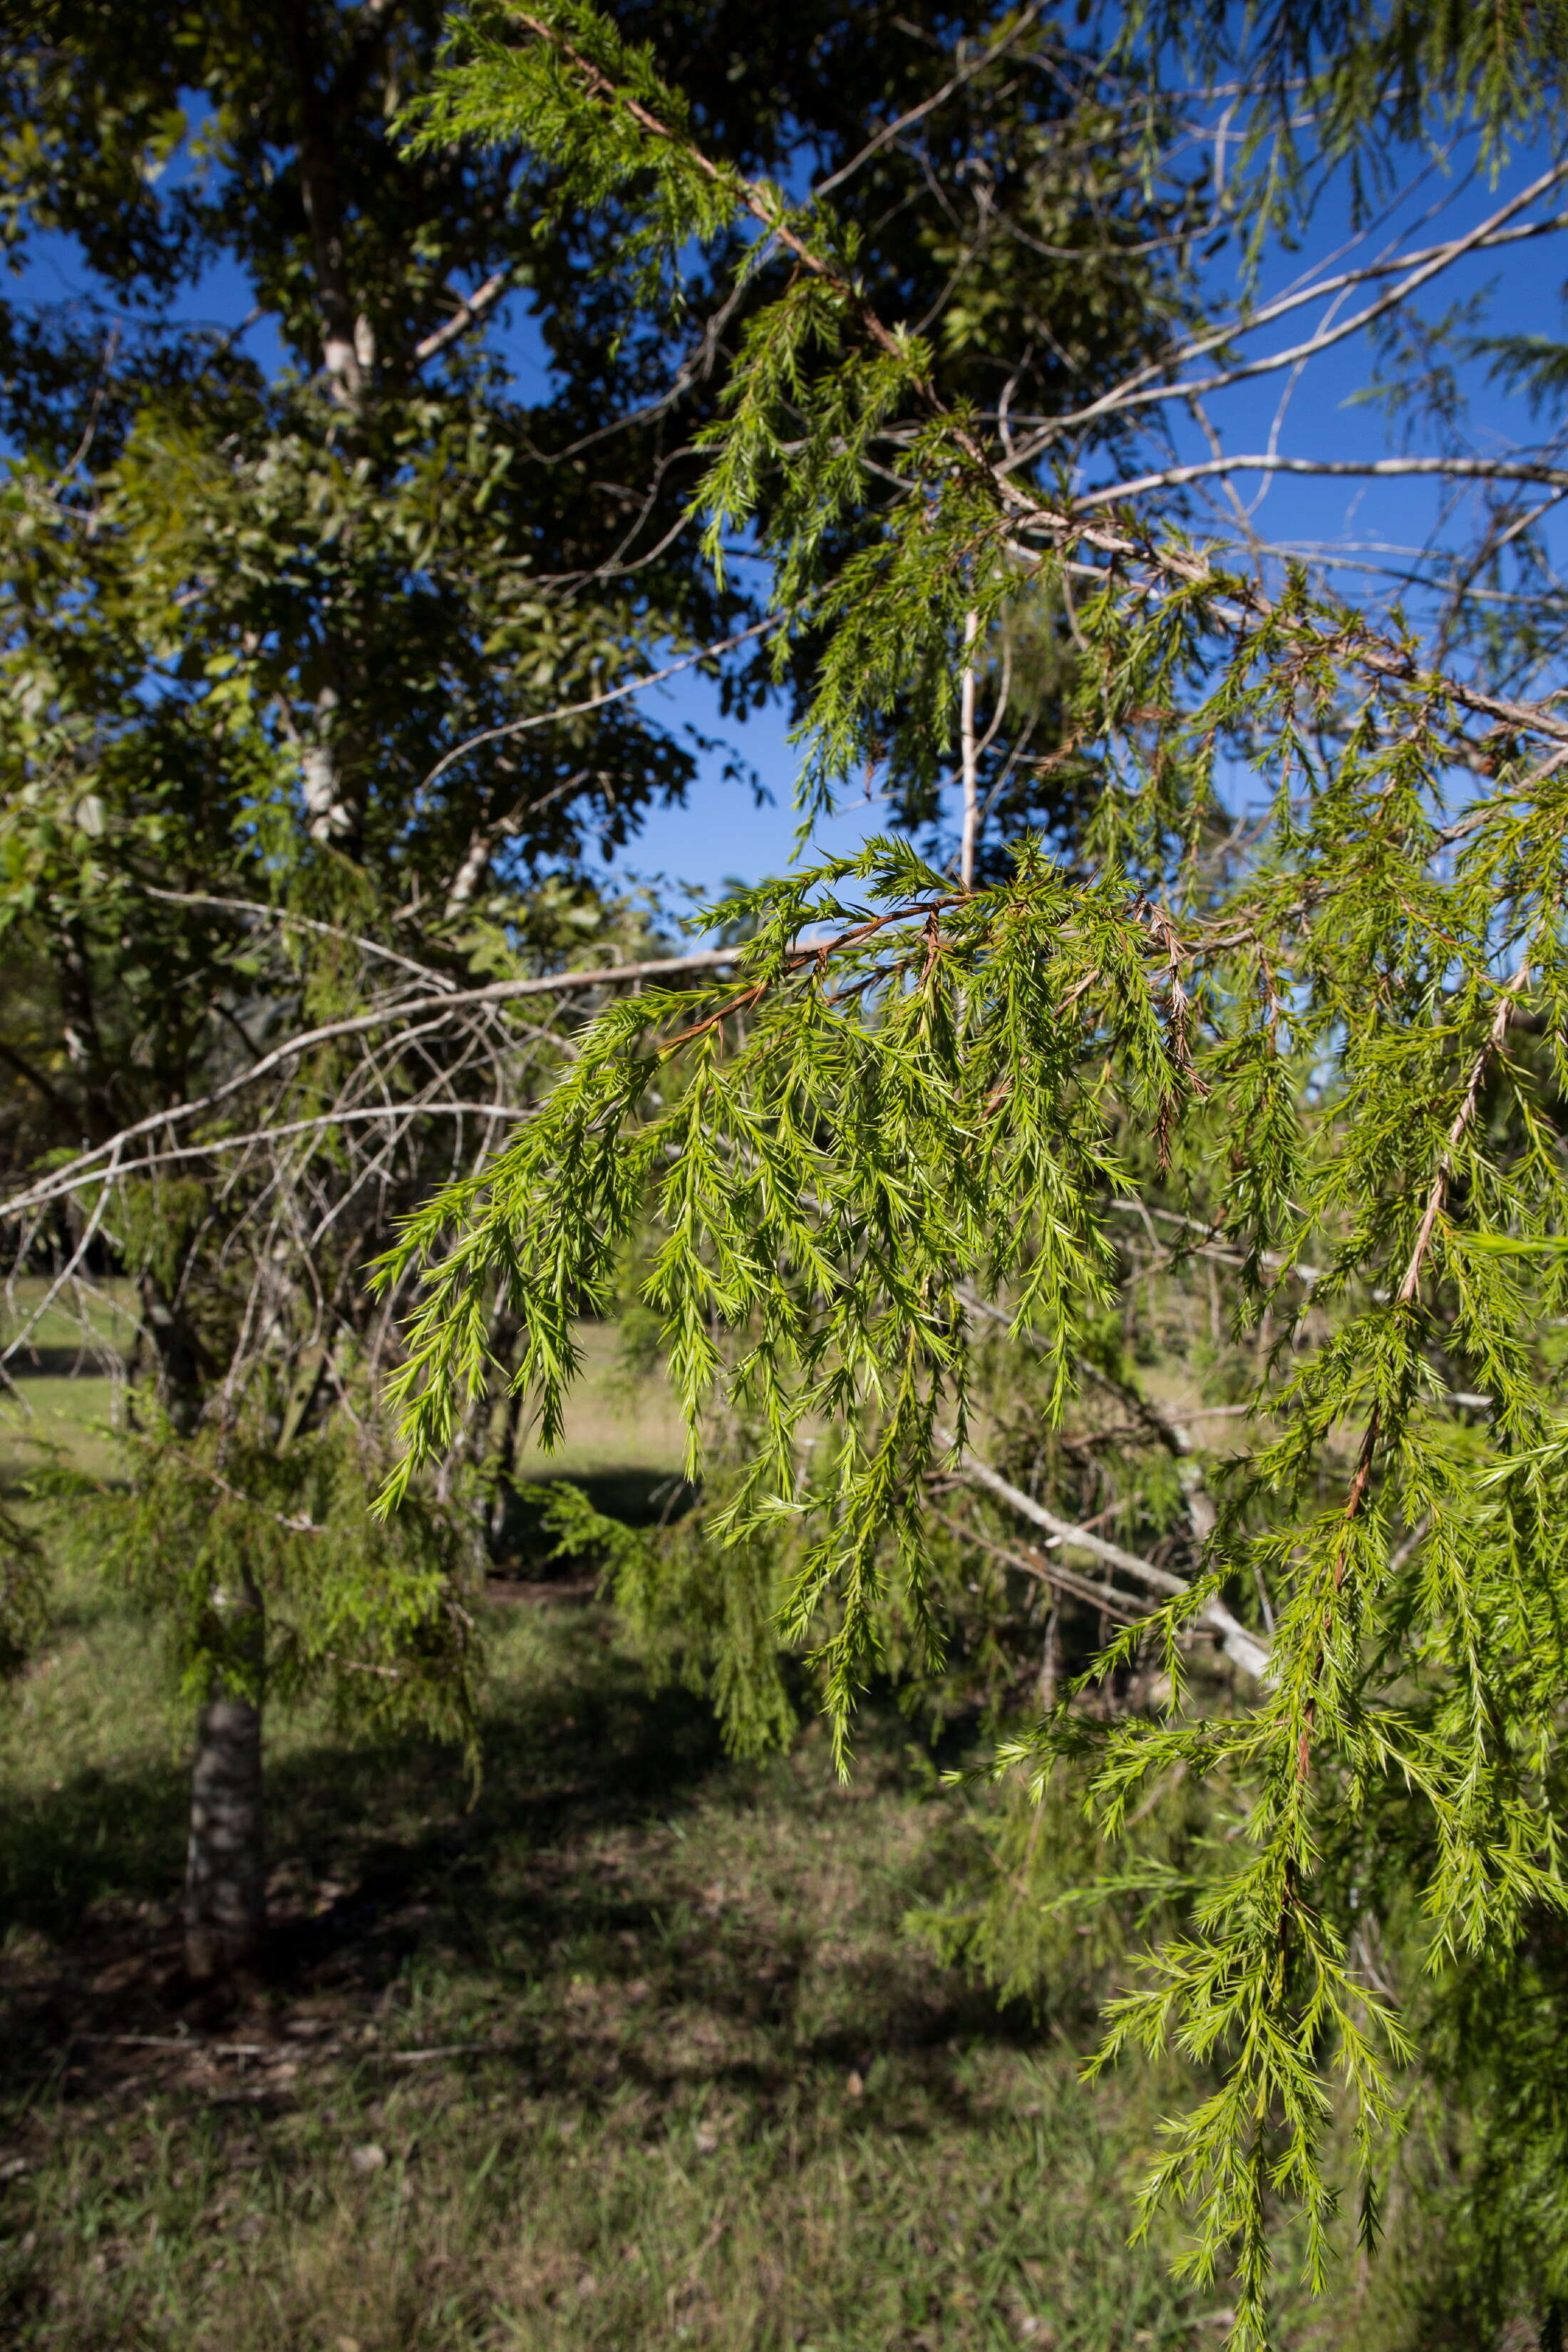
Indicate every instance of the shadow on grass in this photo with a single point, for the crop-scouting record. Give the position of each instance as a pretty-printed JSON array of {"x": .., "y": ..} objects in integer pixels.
[
  {"x": 640, "y": 1498},
  {"x": 71, "y": 1361},
  {"x": 570, "y": 1870},
  {"x": 558, "y": 1762}
]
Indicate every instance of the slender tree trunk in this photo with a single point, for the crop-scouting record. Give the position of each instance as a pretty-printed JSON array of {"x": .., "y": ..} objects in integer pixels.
[
  {"x": 970, "y": 756},
  {"x": 226, "y": 1880},
  {"x": 1050, "y": 1657},
  {"x": 177, "y": 1355},
  {"x": 332, "y": 766},
  {"x": 347, "y": 353}
]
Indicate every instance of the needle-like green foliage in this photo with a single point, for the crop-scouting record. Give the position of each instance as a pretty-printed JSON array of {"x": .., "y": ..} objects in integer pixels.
[
  {"x": 1347, "y": 1045},
  {"x": 497, "y": 93},
  {"x": 905, "y": 1113},
  {"x": 370, "y": 1618}
]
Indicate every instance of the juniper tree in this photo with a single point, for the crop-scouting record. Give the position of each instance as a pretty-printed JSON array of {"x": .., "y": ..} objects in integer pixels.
[{"x": 1330, "y": 1047}]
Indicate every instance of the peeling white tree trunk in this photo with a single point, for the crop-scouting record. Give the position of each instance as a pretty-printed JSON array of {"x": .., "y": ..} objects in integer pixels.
[{"x": 225, "y": 1868}]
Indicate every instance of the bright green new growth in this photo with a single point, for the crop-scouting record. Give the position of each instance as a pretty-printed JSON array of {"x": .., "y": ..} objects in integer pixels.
[
  {"x": 1345, "y": 1045},
  {"x": 824, "y": 1185},
  {"x": 499, "y": 94}
]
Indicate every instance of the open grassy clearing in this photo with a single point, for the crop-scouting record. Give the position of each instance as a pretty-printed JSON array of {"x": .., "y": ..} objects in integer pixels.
[
  {"x": 636, "y": 2051},
  {"x": 72, "y": 1320},
  {"x": 59, "y": 1403}
]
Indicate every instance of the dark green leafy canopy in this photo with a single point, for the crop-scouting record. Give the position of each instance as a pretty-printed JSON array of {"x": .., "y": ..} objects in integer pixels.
[{"x": 1012, "y": 230}]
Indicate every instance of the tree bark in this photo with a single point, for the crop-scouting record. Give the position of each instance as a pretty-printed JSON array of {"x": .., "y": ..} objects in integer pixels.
[
  {"x": 347, "y": 353},
  {"x": 226, "y": 1880},
  {"x": 177, "y": 1355}
]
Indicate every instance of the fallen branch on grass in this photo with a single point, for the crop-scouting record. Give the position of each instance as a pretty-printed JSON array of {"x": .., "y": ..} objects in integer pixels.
[
  {"x": 1119, "y": 1605},
  {"x": 1244, "y": 1649}
]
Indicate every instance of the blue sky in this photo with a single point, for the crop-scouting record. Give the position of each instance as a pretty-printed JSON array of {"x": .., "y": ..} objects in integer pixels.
[{"x": 720, "y": 831}]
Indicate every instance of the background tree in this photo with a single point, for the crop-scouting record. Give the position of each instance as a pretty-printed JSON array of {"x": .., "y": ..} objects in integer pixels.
[
  {"x": 319, "y": 657},
  {"x": 957, "y": 1128},
  {"x": 256, "y": 614}
]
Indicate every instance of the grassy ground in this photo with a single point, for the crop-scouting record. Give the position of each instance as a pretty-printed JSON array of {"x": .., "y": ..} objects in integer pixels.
[
  {"x": 59, "y": 1402},
  {"x": 624, "y": 1433},
  {"x": 635, "y": 2053}
]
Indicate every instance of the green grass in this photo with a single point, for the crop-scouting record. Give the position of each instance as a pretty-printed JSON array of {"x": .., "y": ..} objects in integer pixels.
[
  {"x": 60, "y": 1403},
  {"x": 624, "y": 1432},
  {"x": 616, "y": 1422},
  {"x": 104, "y": 1312},
  {"x": 720, "y": 2098},
  {"x": 633, "y": 2052}
]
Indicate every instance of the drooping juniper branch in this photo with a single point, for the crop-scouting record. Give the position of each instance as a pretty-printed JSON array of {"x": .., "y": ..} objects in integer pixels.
[
  {"x": 437, "y": 1009},
  {"x": 1404, "y": 1297}
]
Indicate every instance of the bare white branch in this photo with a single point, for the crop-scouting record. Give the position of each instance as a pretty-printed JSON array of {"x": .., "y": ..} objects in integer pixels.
[{"x": 1445, "y": 468}]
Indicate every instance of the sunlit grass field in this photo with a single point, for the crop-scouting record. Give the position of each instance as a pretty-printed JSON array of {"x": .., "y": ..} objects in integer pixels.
[
  {"x": 59, "y": 1403},
  {"x": 63, "y": 1405}
]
